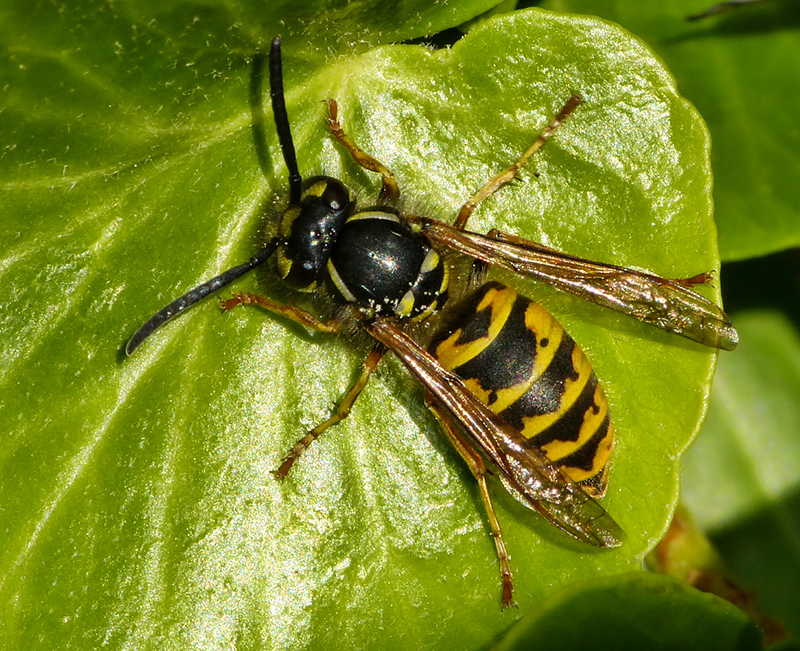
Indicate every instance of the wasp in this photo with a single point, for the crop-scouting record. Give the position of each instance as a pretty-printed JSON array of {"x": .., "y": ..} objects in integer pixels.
[{"x": 509, "y": 386}]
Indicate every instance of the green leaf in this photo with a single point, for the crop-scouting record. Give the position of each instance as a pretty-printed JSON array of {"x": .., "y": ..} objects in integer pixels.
[
  {"x": 742, "y": 71},
  {"x": 137, "y": 496},
  {"x": 634, "y": 611},
  {"x": 742, "y": 476}
]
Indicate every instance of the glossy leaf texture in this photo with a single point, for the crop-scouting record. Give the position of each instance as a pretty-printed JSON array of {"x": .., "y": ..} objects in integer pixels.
[
  {"x": 741, "y": 69},
  {"x": 137, "y": 499}
]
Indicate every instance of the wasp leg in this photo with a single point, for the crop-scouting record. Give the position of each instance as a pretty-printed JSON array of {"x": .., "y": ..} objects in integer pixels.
[
  {"x": 342, "y": 412},
  {"x": 289, "y": 311},
  {"x": 478, "y": 468},
  {"x": 510, "y": 173},
  {"x": 390, "y": 191}
]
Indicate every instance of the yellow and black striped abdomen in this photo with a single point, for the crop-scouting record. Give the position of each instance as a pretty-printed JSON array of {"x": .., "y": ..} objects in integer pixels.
[{"x": 524, "y": 366}]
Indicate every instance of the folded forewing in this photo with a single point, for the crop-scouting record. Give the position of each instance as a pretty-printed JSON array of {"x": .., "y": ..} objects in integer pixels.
[
  {"x": 526, "y": 472},
  {"x": 667, "y": 304}
]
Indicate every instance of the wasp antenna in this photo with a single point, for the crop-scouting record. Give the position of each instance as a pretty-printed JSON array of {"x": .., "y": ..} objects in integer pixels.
[
  {"x": 196, "y": 295},
  {"x": 282, "y": 120}
]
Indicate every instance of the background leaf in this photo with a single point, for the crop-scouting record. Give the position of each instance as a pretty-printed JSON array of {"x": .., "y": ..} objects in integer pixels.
[
  {"x": 741, "y": 478},
  {"x": 742, "y": 71},
  {"x": 136, "y": 494},
  {"x": 634, "y": 611}
]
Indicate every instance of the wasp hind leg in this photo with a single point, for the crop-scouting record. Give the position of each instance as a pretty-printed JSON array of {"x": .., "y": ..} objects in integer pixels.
[
  {"x": 478, "y": 468},
  {"x": 510, "y": 173},
  {"x": 342, "y": 412},
  {"x": 390, "y": 191}
]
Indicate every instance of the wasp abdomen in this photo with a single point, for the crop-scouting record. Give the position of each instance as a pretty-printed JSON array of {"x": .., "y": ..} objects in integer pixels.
[{"x": 523, "y": 365}]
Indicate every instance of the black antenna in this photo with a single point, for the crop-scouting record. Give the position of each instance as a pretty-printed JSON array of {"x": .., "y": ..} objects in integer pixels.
[
  {"x": 282, "y": 121},
  {"x": 198, "y": 294}
]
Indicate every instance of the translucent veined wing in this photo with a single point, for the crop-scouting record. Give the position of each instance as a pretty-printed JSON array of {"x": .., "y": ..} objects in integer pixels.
[
  {"x": 526, "y": 472},
  {"x": 667, "y": 304}
]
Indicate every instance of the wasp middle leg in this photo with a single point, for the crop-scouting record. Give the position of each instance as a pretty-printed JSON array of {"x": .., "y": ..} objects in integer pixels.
[
  {"x": 342, "y": 412},
  {"x": 307, "y": 319}
]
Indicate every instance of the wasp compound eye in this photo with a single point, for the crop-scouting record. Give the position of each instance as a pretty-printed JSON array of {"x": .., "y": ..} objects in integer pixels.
[{"x": 336, "y": 196}]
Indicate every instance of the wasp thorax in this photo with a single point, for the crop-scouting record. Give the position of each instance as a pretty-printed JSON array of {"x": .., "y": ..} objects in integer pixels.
[
  {"x": 384, "y": 267},
  {"x": 309, "y": 230}
]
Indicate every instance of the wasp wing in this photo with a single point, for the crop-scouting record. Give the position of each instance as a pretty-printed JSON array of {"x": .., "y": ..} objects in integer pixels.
[
  {"x": 667, "y": 304},
  {"x": 527, "y": 473}
]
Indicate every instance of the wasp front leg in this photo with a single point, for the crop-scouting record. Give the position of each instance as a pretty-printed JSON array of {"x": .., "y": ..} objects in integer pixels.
[
  {"x": 478, "y": 468},
  {"x": 296, "y": 314},
  {"x": 390, "y": 190}
]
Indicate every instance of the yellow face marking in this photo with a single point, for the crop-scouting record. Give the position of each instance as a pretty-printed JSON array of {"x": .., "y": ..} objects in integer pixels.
[
  {"x": 315, "y": 189},
  {"x": 293, "y": 212},
  {"x": 284, "y": 264},
  {"x": 287, "y": 219},
  {"x": 284, "y": 230}
]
